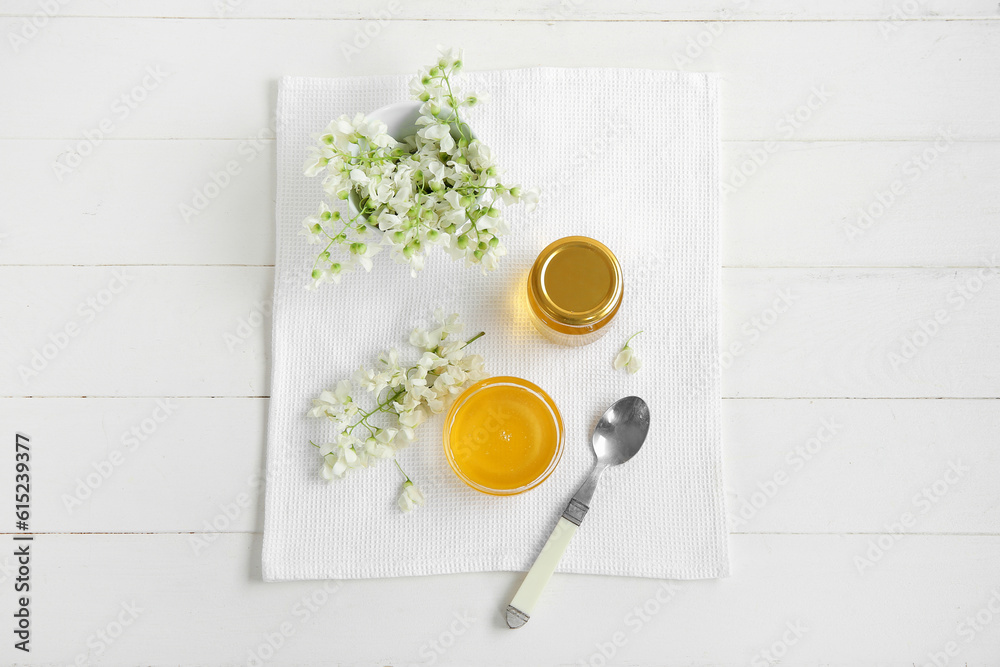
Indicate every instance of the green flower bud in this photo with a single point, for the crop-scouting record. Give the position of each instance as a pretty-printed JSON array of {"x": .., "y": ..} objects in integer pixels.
[
  {"x": 424, "y": 96},
  {"x": 433, "y": 235},
  {"x": 515, "y": 191},
  {"x": 466, "y": 201},
  {"x": 425, "y": 80},
  {"x": 478, "y": 254},
  {"x": 437, "y": 68},
  {"x": 336, "y": 267},
  {"x": 327, "y": 139},
  {"x": 325, "y": 216},
  {"x": 494, "y": 242},
  {"x": 324, "y": 255},
  {"x": 316, "y": 229},
  {"x": 362, "y": 248},
  {"x": 472, "y": 100},
  {"x": 343, "y": 194},
  {"x": 316, "y": 274},
  {"x": 398, "y": 236},
  {"x": 491, "y": 171},
  {"x": 493, "y": 212},
  {"x": 457, "y": 65},
  {"x": 336, "y": 215},
  {"x": 463, "y": 241},
  {"x": 482, "y": 246},
  {"x": 449, "y": 229}
]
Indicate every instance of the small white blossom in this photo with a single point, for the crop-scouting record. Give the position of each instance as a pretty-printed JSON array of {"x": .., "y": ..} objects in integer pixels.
[
  {"x": 530, "y": 199},
  {"x": 624, "y": 356},
  {"x": 410, "y": 497},
  {"x": 627, "y": 358},
  {"x": 634, "y": 364}
]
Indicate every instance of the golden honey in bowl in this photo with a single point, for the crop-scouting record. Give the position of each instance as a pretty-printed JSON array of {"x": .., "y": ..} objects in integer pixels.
[{"x": 503, "y": 436}]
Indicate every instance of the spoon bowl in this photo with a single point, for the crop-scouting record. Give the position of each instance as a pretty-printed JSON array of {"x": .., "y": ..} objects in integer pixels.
[{"x": 621, "y": 431}]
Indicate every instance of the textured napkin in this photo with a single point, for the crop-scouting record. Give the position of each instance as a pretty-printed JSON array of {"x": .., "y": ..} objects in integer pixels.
[{"x": 629, "y": 157}]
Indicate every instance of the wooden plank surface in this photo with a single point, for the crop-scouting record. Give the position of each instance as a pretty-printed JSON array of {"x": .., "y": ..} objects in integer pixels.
[{"x": 780, "y": 80}]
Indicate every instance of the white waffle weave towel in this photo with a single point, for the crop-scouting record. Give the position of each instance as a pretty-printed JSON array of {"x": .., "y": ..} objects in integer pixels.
[{"x": 628, "y": 157}]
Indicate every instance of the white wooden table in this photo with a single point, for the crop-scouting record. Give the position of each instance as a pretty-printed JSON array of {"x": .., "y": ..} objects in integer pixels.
[{"x": 861, "y": 159}]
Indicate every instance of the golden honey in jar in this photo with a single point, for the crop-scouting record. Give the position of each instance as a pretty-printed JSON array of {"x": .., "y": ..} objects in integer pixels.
[
  {"x": 503, "y": 436},
  {"x": 574, "y": 290}
]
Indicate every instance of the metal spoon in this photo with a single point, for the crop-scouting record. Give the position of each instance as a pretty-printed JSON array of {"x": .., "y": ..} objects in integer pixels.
[{"x": 617, "y": 437}]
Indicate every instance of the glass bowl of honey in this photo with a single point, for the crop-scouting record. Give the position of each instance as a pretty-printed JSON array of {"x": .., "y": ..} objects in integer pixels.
[{"x": 503, "y": 436}]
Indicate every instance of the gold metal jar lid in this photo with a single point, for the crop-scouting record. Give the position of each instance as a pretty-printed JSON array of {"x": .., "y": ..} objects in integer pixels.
[{"x": 575, "y": 285}]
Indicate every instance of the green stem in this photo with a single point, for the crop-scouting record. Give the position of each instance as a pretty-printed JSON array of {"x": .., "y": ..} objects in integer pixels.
[
  {"x": 396, "y": 461},
  {"x": 475, "y": 338},
  {"x": 630, "y": 339},
  {"x": 380, "y": 407},
  {"x": 453, "y": 106}
]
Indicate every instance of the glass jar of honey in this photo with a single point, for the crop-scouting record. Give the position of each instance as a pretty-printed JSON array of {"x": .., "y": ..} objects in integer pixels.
[
  {"x": 503, "y": 436},
  {"x": 574, "y": 290}
]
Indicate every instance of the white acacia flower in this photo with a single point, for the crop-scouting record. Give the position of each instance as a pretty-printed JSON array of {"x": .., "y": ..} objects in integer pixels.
[
  {"x": 530, "y": 198},
  {"x": 416, "y": 265},
  {"x": 409, "y": 421},
  {"x": 372, "y": 380},
  {"x": 449, "y": 56},
  {"x": 410, "y": 497},
  {"x": 627, "y": 358},
  {"x": 321, "y": 407},
  {"x": 623, "y": 357},
  {"x": 316, "y": 161},
  {"x": 332, "y": 274},
  {"x": 633, "y": 365},
  {"x": 363, "y": 254},
  {"x": 330, "y": 470},
  {"x": 380, "y": 444},
  {"x": 421, "y": 338},
  {"x": 312, "y": 232}
]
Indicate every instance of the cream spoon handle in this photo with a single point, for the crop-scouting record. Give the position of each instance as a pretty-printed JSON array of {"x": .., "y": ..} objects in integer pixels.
[{"x": 520, "y": 608}]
